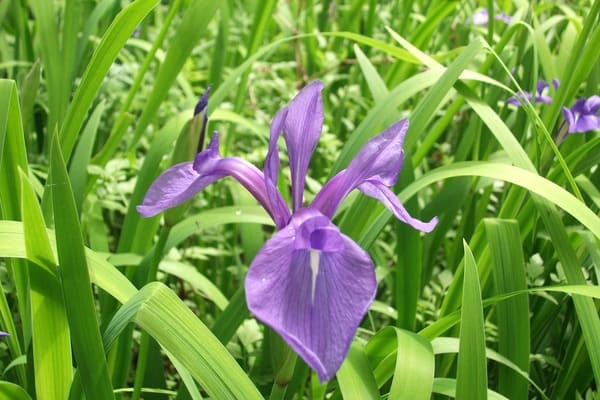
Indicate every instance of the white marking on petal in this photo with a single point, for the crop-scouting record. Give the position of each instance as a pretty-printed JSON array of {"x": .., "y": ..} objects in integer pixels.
[{"x": 314, "y": 266}]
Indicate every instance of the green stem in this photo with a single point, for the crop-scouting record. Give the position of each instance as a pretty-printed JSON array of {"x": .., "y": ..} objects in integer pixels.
[{"x": 284, "y": 375}]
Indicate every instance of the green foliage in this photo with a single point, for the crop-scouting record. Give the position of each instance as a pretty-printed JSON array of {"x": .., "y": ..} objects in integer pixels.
[{"x": 499, "y": 301}]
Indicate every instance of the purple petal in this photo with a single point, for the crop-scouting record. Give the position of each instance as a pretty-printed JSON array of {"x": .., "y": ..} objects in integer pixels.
[
  {"x": 3, "y": 334},
  {"x": 301, "y": 130},
  {"x": 203, "y": 102},
  {"x": 182, "y": 181},
  {"x": 579, "y": 107},
  {"x": 587, "y": 123},
  {"x": 379, "y": 191},
  {"x": 312, "y": 285},
  {"x": 380, "y": 158},
  {"x": 543, "y": 99},
  {"x": 173, "y": 187},
  {"x": 519, "y": 100},
  {"x": 514, "y": 101},
  {"x": 570, "y": 118},
  {"x": 504, "y": 18},
  {"x": 480, "y": 17},
  {"x": 541, "y": 85},
  {"x": 592, "y": 104},
  {"x": 271, "y": 166},
  {"x": 555, "y": 83}
]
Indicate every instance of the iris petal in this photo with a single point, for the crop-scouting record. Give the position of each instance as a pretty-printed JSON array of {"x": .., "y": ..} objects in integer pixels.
[
  {"x": 182, "y": 181},
  {"x": 173, "y": 187},
  {"x": 301, "y": 130},
  {"x": 315, "y": 298},
  {"x": 587, "y": 123},
  {"x": 380, "y": 158},
  {"x": 569, "y": 117},
  {"x": 593, "y": 104},
  {"x": 271, "y": 167},
  {"x": 382, "y": 193}
]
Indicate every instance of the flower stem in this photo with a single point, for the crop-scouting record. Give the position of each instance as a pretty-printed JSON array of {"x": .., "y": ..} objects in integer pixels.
[{"x": 284, "y": 375}]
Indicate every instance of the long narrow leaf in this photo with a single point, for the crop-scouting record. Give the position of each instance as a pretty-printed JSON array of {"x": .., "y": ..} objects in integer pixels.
[{"x": 75, "y": 278}]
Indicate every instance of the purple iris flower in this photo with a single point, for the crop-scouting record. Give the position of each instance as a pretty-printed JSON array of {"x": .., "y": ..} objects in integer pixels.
[
  {"x": 540, "y": 96},
  {"x": 311, "y": 283},
  {"x": 482, "y": 17},
  {"x": 583, "y": 116}
]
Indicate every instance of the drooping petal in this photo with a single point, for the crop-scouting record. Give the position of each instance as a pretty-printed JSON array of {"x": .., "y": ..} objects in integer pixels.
[
  {"x": 381, "y": 158},
  {"x": 301, "y": 130},
  {"x": 587, "y": 122},
  {"x": 173, "y": 187},
  {"x": 377, "y": 190},
  {"x": 312, "y": 285},
  {"x": 182, "y": 181}
]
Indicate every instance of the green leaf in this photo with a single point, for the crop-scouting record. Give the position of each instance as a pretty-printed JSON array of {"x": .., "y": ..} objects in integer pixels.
[
  {"x": 49, "y": 325},
  {"x": 471, "y": 375},
  {"x": 407, "y": 358},
  {"x": 13, "y": 157},
  {"x": 376, "y": 84},
  {"x": 11, "y": 391},
  {"x": 448, "y": 387},
  {"x": 508, "y": 268},
  {"x": 175, "y": 327},
  {"x": 112, "y": 42},
  {"x": 75, "y": 278},
  {"x": 82, "y": 155},
  {"x": 191, "y": 29},
  {"x": 355, "y": 378}
]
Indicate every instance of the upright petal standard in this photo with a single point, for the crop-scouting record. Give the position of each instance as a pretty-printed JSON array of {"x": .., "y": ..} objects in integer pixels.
[{"x": 311, "y": 283}]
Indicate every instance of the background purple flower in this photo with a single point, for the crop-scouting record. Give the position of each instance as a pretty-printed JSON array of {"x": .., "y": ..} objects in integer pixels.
[
  {"x": 482, "y": 17},
  {"x": 540, "y": 95},
  {"x": 583, "y": 116}
]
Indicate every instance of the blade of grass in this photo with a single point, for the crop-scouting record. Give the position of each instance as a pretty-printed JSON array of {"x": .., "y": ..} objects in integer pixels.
[
  {"x": 13, "y": 156},
  {"x": 471, "y": 375},
  {"x": 192, "y": 27},
  {"x": 355, "y": 378},
  {"x": 75, "y": 278},
  {"x": 513, "y": 314},
  {"x": 448, "y": 387},
  {"x": 112, "y": 42},
  {"x": 47, "y": 34},
  {"x": 50, "y": 328},
  {"x": 9, "y": 390},
  {"x": 407, "y": 358},
  {"x": 166, "y": 318},
  {"x": 124, "y": 119},
  {"x": 82, "y": 155}
]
